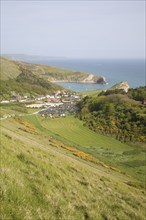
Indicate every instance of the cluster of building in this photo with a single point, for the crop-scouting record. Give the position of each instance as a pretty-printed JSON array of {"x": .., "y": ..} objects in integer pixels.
[
  {"x": 59, "y": 104},
  {"x": 56, "y": 97},
  {"x": 17, "y": 98}
]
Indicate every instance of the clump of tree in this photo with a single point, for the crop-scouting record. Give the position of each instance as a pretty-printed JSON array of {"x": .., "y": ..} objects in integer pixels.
[
  {"x": 138, "y": 94},
  {"x": 117, "y": 115}
]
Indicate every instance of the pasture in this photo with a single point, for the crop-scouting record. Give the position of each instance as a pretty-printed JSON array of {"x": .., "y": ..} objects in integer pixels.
[
  {"x": 72, "y": 131},
  {"x": 40, "y": 181}
]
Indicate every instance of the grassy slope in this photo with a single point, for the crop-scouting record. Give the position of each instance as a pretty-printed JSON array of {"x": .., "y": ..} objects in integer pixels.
[
  {"x": 23, "y": 78},
  {"x": 127, "y": 158},
  {"x": 30, "y": 78},
  {"x": 43, "y": 182},
  {"x": 10, "y": 69},
  {"x": 13, "y": 108}
]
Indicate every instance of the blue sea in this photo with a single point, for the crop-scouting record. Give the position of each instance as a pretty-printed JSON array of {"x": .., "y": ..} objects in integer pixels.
[{"x": 115, "y": 71}]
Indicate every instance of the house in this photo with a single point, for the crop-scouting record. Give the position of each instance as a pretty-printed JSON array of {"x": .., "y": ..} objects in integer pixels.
[
  {"x": 17, "y": 97},
  {"x": 5, "y": 101},
  {"x": 22, "y": 100},
  {"x": 62, "y": 115},
  {"x": 39, "y": 98},
  {"x": 13, "y": 100}
]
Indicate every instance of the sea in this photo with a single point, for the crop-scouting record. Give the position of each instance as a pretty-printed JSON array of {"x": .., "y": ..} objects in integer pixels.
[{"x": 114, "y": 70}]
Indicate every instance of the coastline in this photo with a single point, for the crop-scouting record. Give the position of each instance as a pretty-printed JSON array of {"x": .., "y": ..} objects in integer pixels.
[
  {"x": 91, "y": 79},
  {"x": 79, "y": 82}
]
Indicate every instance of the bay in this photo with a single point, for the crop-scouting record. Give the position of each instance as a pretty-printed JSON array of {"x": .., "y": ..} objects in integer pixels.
[{"x": 115, "y": 71}]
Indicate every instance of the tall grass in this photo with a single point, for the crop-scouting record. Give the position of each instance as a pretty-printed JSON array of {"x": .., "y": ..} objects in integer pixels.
[
  {"x": 40, "y": 182},
  {"x": 72, "y": 131}
]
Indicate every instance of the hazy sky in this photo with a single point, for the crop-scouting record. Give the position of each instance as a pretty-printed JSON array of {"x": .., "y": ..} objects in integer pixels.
[{"x": 91, "y": 29}]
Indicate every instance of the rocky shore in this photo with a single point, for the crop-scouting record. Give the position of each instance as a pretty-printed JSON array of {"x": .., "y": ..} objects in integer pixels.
[{"x": 89, "y": 79}]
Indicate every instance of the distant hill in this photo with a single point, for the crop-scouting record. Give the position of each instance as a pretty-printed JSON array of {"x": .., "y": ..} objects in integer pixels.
[
  {"x": 11, "y": 69},
  {"x": 28, "y": 58},
  {"x": 23, "y": 78}
]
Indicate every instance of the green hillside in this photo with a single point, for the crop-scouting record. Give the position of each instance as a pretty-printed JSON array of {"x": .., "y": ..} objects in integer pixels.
[
  {"x": 26, "y": 84},
  {"x": 22, "y": 77},
  {"x": 129, "y": 159},
  {"x": 46, "y": 178},
  {"x": 116, "y": 113},
  {"x": 10, "y": 69}
]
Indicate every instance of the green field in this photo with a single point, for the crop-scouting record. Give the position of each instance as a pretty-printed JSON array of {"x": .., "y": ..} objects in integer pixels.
[
  {"x": 70, "y": 130},
  {"x": 90, "y": 93},
  {"x": 44, "y": 181},
  {"x": 11, "y": 69}
]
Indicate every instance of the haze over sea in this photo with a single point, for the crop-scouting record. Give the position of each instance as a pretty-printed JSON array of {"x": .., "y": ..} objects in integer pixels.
[{"x": 115, "y": 71}]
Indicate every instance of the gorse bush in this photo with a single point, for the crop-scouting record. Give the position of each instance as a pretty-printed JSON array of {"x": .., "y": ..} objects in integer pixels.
[
  {"x": 83, "y": 155},
  {"x": 28, "y": 127},
  {"x": 116, "y": 115}
]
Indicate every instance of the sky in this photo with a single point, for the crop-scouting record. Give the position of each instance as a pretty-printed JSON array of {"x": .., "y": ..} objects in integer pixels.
[{"x": 74, "y": 29}]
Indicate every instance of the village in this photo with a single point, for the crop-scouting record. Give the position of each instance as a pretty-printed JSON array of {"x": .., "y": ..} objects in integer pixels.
[{"x": 58, "y": 104}]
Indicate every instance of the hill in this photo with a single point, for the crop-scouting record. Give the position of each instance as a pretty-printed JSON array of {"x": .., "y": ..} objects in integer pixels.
[
  {"x": 116, "y": 113},
  {"x": 121, "y": 86},
  {"x": 26, "y": 83},
  {"x": 128, "y": 159},
  {"x": 28, "y": 58},
  {"x": 46, "y": 178},
  {"x": 21, "y": 78},
  {"x": 10, "y": 69}
]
